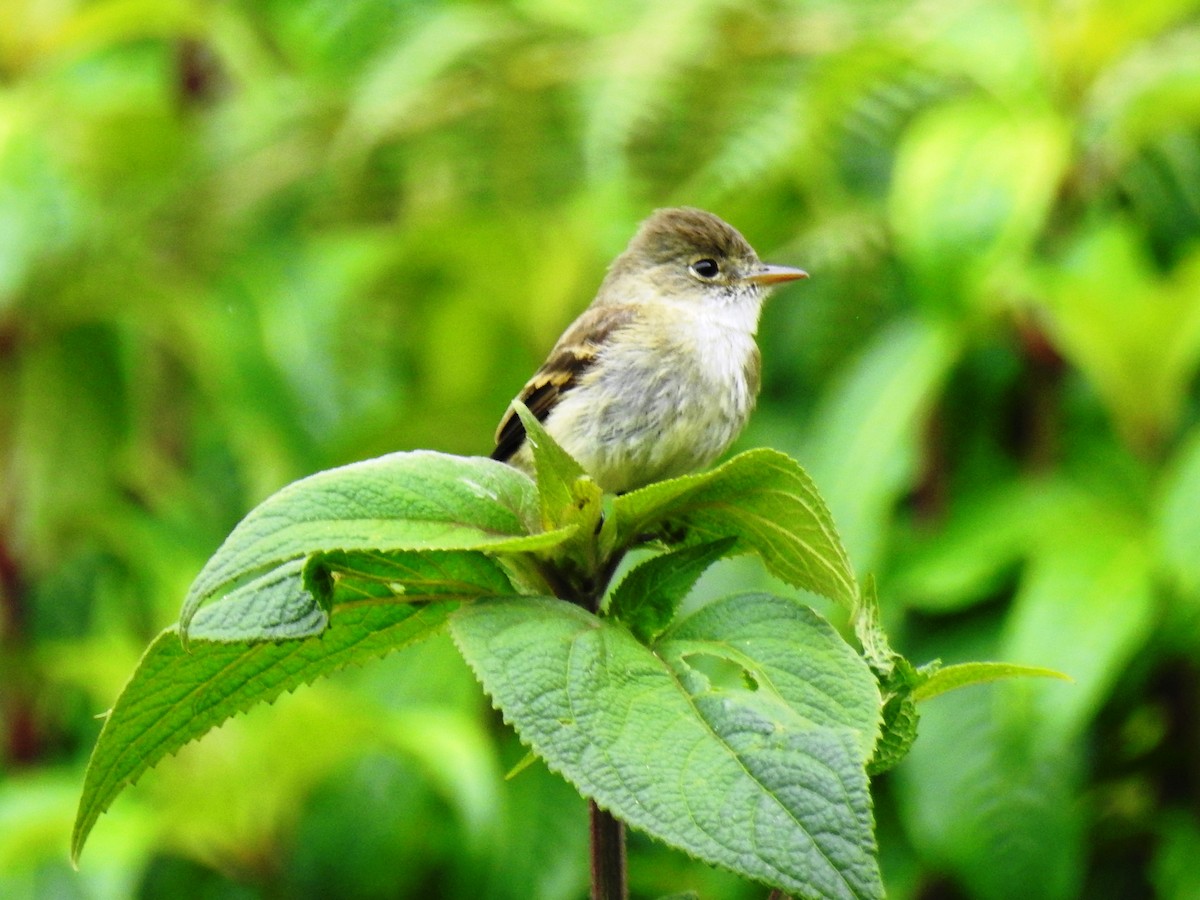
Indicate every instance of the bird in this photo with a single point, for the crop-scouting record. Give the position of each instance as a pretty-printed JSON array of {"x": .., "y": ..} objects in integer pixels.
[{"x": 658, "y": 376}]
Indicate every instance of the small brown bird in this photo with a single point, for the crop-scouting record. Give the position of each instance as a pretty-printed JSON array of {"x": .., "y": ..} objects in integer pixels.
[{"x": 658, "y": 376}]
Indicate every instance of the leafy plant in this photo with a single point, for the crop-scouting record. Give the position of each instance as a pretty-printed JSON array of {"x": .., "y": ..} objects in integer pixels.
[
  {"x": 244, "y": 242},
  {"x": 742, "y": 733}
]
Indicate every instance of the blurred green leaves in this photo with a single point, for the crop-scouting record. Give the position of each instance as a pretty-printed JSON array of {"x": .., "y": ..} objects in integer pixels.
[
  {"x": 1135, "y": 334},
  {"x": 972, "y": 187},
  {"x": 241, "y": 243}
]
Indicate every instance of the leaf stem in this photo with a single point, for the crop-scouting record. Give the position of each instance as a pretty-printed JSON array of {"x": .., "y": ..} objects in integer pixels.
[
  {"x": 607, "y": 832},
  {"x": 608, "y": 855}
]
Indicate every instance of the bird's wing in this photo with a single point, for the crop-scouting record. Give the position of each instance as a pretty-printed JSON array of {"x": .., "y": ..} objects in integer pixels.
[{"x": 571, "y": 357}]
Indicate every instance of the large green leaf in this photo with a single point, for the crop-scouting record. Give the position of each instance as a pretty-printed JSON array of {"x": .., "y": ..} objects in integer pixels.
[
  {"x": 176, "y": 695},
  {"x": 295, "y": 600},
  {"x": 404, "y": 501},
  {"x": 648, "y": 597},
  {"x": 761, "y": 497},
  {"x": 991, "y": 783},
  {"x": 762, "y": 773},
  {"x": 366, "y": 604}
]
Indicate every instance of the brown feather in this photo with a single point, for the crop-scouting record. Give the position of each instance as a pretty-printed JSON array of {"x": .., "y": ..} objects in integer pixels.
[{"x": 571, "y": 357}]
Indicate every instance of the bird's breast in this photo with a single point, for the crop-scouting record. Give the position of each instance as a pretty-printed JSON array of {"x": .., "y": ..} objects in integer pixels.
[{"x": 662, "y": 406}]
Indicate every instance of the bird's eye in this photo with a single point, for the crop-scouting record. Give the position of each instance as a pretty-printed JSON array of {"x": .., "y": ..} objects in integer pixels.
[{"x": 706, "y": 268}]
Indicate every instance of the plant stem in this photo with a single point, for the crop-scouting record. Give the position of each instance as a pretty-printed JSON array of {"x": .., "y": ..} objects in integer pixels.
[
  {"x": 608, "y": 855},
  {"x": 607, "y": 832}
]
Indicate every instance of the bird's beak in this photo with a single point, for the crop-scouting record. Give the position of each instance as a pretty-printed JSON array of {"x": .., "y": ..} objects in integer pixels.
[{"x": 768, "y": 275}]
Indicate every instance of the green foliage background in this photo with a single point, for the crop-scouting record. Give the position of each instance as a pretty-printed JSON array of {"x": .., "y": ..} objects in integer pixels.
[{"x": 241, "y": 242}]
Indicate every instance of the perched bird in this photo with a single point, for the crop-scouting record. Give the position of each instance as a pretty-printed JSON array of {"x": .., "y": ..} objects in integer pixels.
[{"x": 658, "y": 376}]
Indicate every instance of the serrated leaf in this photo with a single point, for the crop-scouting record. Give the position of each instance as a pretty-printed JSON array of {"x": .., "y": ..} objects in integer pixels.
[
  {"x": 737, "y": 778},
  {"x": 280, "y": 605},
  {"x": 896, "y": 677},
  {"x": 556, "y": 469},
  {"x": 947, "y": 678},
  {"x": 175, "y": 696},
  {"x": 900, "y": 720},
  {"x": 569, "y": 497},
  {"x": 877, "y": 651},
  {"x": 648, "y": 596},
  {"x": 404, "y": 501},
  {"x": 294, "y": 600},
  {"x": 788, "y": 653},
  {"x": 761, "y": 497}
]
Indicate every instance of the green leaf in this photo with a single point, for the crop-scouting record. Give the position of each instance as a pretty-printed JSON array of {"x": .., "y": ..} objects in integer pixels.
[
  {"x": 294, "y": 600},
  {"x": 411, "y": 576},
  {"x": 279, "y": 605},
  {"x": 785, "y": 652},
  {"x": 646, "y": 599},
  {"x": 761, "y": 497},
  {"x": 896, "y": 677},
  {"x": 978, "y": 544},
  {"x": 569, "y": 497},
  {"x": 900, "y": 721},
  {"x": 1006, "y": 814},
  {"x": 947, "y": 678},
  {"x": 175, "y": 696},
  {"x": 877, "y": 651},
  {"x": 404, "y": 501},
  {"x": 996, "y": 806},
  {"x": 556, "y": 469},
  {"x": 768, "y": 782},
  {"x": 1174, "y": 870}
]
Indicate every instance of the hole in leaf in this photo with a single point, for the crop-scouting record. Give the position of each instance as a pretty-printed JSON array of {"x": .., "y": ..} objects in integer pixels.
[
  {"x": 722, "y": 674},
  {"x": 320, "y": 580}
]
